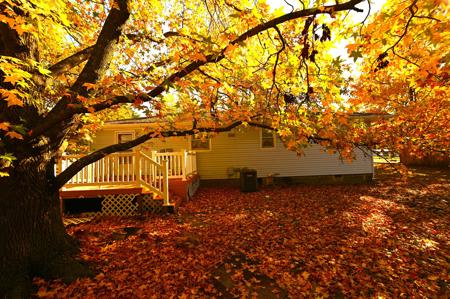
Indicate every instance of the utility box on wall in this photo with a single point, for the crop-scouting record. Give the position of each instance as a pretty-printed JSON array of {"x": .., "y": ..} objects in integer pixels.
[{"x": 249, "y": 180}]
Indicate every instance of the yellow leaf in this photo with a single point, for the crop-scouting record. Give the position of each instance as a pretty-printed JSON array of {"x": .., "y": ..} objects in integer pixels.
[{"x": 44, "y": 71}]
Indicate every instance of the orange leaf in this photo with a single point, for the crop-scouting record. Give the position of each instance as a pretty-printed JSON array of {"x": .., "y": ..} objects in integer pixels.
[
  {"x": 230, "y": 48},
  {"x": 4, "y": 126},
  {"x": 14, "y": 135},
  {"x": 199, "y": 56},
  {"x": 12, "y": 79},
  {"x": 12, "y": 100},
  {"x": 89, "y": 85}
]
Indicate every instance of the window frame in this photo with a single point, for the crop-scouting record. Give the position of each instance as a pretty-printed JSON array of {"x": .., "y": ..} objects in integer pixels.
[
  {"x": 132, "y": 133},
  {"x": 261, "y": 139},
  {"x": 192, "y": 137}
]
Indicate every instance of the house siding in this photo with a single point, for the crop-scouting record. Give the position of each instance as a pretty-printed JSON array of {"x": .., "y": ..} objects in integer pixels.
[
  {"x": 104, "y": 138},
  {"x": 108, "y": 137},
  {"x": 242, "y": 148}
]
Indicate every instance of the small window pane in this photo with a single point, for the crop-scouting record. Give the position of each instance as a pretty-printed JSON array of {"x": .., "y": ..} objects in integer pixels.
[
  {"x": 199, "y": 143},
  {"x": 125, "y": 137},
  {"x": 267, "y": 138}
]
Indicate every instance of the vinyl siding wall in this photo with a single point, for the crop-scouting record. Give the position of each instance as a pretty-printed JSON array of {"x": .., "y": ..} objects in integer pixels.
[
  {"x": 108, "y": 137},
  {"x": 243, "y": 149}
]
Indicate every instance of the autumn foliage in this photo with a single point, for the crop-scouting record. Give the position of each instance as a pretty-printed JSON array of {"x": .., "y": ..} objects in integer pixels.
[
  {"x": 388, "y": 239},
  {"x": 66, "y": 66},
  {"x": 406, "y": 73}
]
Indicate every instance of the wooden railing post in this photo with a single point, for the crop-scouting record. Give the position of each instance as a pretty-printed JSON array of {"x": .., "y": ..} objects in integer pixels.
[
  {"x": 137, "y": 166},
  {"x": 59, "y": 165},
  {"x": 153, "y": 156},
  {"x": 193, "y": 162},
  {"x": 165, "y": 171},
  {"x": 184, "y": 165}
]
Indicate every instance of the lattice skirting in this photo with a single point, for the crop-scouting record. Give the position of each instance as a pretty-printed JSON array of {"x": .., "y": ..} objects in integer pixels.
[
  {"x": 120, "y": 204},
  {"x": 128, "y": 204},
  {"x": 152, "y": 205}
]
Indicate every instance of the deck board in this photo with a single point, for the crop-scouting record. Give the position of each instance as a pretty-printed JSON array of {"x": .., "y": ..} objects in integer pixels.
[
  {"x": 100, "y": 190},
  {"x": 177, "y": 186}
]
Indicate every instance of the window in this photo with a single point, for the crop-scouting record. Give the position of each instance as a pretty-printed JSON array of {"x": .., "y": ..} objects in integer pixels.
[
  {"x": 267, "y": 138},
  {"x": 200, "y": 144},
  {"x": 123, "y": 137}
]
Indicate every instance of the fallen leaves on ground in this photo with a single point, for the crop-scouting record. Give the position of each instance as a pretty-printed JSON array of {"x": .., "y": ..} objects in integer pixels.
[{"x": 388, "y": 239}]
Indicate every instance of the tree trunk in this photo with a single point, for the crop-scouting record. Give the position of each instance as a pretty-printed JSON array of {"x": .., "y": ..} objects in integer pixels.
[{"x": 33, "y": 241}]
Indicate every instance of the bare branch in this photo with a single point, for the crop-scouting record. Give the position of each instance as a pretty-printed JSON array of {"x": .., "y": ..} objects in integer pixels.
[
  {"x": 365, "y": 19},
  {"x": 274, "y": 71},
  {"x": 428, "y": 17},
  {"x": 292, "y": 6},
  {"x": 405, "y": 31},
  {"x": 81, "y": 56},
  {"x": 233, "y": 6}
]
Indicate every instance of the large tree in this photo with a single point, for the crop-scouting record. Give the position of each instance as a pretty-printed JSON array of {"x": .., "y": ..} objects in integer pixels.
[{"x": 222, "y": 63}]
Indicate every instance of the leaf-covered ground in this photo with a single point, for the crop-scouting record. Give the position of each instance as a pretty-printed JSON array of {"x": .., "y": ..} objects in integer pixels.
[{"x": 388, "y": 239}]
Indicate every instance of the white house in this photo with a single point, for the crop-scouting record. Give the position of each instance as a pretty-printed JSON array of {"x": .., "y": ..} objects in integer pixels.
[{"x": 178, "y": 162}]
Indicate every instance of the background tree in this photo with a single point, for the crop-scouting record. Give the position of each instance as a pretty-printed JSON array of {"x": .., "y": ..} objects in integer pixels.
[
  {"x": 405, "y": 72},
  {"x": 221, "y": 63}
]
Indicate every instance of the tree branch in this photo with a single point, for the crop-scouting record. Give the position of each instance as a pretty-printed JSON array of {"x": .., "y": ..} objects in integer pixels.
[
  {"x": 75, "y": 59},
  {"x": 101, "y": 55},
  {"x": 98, "y": 62},
  {"x": 274, "y": 71},
  {"x": 412, "y": 9},
  {"x": 78, "y": 165},
  {"x": 233, "y": 6},
  {"x": 71, "y": 61},
  {"x": 62, "y": 112}
]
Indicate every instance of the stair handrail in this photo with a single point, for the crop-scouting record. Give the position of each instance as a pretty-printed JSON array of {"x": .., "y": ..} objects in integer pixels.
[{"x": 149, "y": 181}]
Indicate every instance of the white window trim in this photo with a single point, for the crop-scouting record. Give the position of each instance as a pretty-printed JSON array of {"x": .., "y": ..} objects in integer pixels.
[
  {"x": 200, "y": 150},
  {"x": 126, "y": 132},
  {"x": 274, "y": 136}
]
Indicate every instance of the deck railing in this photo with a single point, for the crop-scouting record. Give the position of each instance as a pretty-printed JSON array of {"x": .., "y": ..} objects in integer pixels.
[
  {"x": 152, "y": 171},
  {"x": 115, "y": 168},
  {"x": 152, "y": 174},
  {"x": 181, "y": 164}
]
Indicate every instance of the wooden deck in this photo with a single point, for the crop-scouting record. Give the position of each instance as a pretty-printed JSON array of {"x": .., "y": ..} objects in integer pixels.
[
  {"x": 130, "y": 183},
  {"x": 130, "y": 173},
  {"x": 114, "y": 199},
  {"x": 177, "y": 186},
  {"x": 100, "y": 190}
]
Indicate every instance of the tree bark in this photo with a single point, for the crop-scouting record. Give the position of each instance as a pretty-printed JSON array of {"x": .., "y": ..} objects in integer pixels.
[{"x": 34, "y": 241}]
